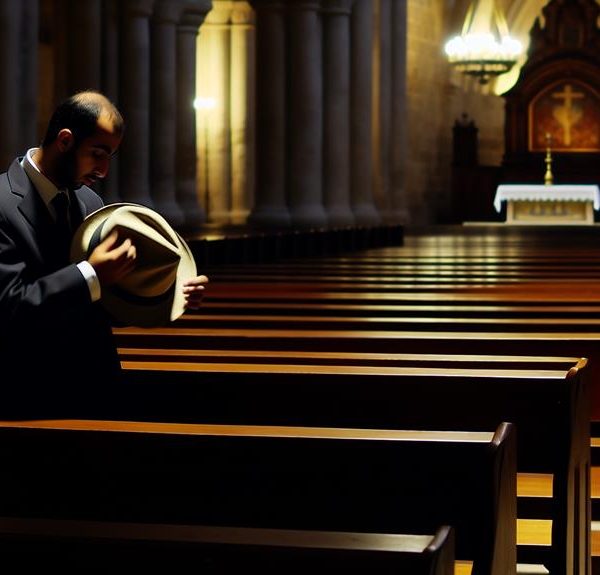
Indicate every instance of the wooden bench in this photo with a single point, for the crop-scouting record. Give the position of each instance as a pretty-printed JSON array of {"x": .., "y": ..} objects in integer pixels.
[
  {"x": 241, "y": 303},
  {"x": 549, "y": 408},
  {"x": 311, "y": 280},
  {"x": 530, "y": 293},
  {"x": 226, "y": 550},
  {"x": 570, "y": 336},
  {"x": 355, "y": 480},
  {"x": 380, "y": 279},
  {"x": 314, "y": 357},
  {"x": 434, "y": 337},
  {"x": 304, "y": 321}
]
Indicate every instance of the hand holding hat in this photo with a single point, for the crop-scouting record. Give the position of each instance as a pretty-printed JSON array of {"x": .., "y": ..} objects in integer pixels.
[
  {"x": 113, "y": 258},
  {"x": 163, "y": 281}
]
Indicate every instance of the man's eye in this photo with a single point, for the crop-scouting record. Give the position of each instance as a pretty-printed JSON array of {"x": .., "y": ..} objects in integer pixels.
[{"x": 99, "y": 154}]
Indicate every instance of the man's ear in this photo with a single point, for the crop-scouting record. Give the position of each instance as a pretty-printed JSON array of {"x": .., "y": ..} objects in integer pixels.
[{"x": 65, "y": 140}]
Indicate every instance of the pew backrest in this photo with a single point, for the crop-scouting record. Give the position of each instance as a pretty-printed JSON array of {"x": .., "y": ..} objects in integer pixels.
[{"x": 270, "y": 477}]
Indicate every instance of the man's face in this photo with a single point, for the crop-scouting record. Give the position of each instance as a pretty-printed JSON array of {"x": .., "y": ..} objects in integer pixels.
[{"x": 89, "y": 161}]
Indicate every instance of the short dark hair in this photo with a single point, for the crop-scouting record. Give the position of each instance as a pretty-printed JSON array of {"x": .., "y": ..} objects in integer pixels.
[{"x": 80, "y": 113}]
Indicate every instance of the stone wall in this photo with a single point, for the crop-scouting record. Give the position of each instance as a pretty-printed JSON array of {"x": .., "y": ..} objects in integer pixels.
[{"x": 437, "y": 97}]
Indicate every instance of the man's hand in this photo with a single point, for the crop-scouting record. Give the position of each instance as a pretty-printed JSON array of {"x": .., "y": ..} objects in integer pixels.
[
  {"x": 112, "y": 260},
  {"x": 193, "y": 291}
]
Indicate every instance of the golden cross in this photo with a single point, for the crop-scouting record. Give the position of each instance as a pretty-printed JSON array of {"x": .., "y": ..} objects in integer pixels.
[{"x": 567, "y": 115}]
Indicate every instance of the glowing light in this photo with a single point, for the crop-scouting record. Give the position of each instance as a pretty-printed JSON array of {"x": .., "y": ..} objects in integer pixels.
[
  {"x": 205, "y": 103},
  {"x": 484, "y": 48}
]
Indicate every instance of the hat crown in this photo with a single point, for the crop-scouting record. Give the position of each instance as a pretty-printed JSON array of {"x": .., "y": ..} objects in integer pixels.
[{"x": 158, "y": 256}]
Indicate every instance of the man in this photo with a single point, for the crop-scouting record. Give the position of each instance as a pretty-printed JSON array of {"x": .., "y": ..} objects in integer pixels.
[{"x": 57, "y": 354}]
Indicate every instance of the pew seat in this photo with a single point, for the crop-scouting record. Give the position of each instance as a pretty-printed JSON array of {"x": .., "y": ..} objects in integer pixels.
[{"x": 326, "y": 479}]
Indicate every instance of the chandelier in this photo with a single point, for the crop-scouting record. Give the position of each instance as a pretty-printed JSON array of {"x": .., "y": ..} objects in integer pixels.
[{"x": 484, "y": 48}]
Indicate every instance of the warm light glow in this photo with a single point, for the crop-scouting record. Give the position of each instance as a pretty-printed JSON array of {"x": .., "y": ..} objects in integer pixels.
[
  {"x": 205, "y": 103},
  {"x": 484, "y": 48}
]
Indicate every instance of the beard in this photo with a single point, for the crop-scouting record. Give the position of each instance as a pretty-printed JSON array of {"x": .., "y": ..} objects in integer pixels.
[{"x": 66, "y": 170}]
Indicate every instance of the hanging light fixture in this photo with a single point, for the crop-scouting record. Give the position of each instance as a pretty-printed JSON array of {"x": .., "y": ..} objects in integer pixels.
[{"x": 484, "y": 48}]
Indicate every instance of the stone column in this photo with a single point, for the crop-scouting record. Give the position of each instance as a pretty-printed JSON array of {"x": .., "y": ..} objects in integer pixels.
[
  {"x": 163, "y": 123},
  {"x": 29, "y": 79},
  {"x": 398, "y": 124},
  {"x": 213, "y": 82},
  {"x": 305, "y": 179},
  {"x": 243, "y": 54},
  {"x": 361, "y": 160},
  {"x": 336, "y": 126},
  {"x": 84, "y": 45},
  {"x": 382, "y": 106},
  {"x": 135, "y": 101},
  {"x": 60, "y": 45},
  {"x": 10, "y": 73},
  {"x": 270, "y": 207},
  {"x": 187, "y": 32},
  {"x": 110, "y": 86}
]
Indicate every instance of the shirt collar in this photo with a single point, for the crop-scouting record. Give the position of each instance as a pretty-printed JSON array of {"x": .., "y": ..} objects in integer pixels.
[{"x": 42, "y": 184}]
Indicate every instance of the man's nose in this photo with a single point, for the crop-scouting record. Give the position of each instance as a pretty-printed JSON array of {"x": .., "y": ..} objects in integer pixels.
[{"x": 102, "y": 167}]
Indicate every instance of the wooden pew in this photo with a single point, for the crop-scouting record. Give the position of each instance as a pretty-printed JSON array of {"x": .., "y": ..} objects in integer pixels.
[
  {"x": 569, "y": 336},
  {"x": 225, "y": 550},
  {"x": 348, "y": 306},
  {"x": 304, "y": 321},
  {"x": 413, "y": 274},
  {"x": 528, "y": 293},
  {"x": 505, "y": 266},
  {"x": 550, "y": 409},
  {"x": 315, "y": 357},
  {"x": 452, "y": 337},
  {"x": 354, "y": 480},
  {"x": 403, "y": 281},
  {"x": 411, "y": 284}
]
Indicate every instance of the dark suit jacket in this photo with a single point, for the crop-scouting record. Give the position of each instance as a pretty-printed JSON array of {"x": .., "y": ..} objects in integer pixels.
[{"x": 56, "y": 347}]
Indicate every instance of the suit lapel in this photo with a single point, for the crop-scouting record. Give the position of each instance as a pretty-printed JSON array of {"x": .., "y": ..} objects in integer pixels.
[
  {"x": 35, "y": 220},
  {"x": 31, "y": 206}
]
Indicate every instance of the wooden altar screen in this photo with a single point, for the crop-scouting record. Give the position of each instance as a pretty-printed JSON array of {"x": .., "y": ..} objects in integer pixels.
[{"x": 557, "y": 99}]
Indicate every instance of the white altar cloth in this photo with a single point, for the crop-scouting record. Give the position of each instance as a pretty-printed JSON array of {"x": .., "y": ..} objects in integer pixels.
[{"x": 543, "y": 193}]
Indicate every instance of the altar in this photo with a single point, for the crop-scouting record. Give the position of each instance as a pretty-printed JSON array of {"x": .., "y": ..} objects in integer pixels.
[{"x": 532, "y": 204}]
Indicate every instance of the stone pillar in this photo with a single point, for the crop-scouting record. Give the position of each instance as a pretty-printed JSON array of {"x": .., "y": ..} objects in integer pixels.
[
  {"x": 10, "y": 73},
  {"x": 29, "y": 79},
  {"x": 382, "y": 106},
  {"x": 163, "y": 102},
  {"x": 84, "y": 45},
  {"x": 187, "y": 32},
  {"x": 60, "y": 25},
  {"x": 305, "y": 179},
  {"x": 110, "y": 51},
  {"x": 243, "y": 53},
  {"x": 336, "y": 121},
  {"x": 135, "y": 101},
  {"x": 110, "y": 86},
  {"x": 213, "y": 82},
  {"x": 270, "y": 207},
  {"x": 361, "y": 160},
  {"x": 398, "y": 124}
]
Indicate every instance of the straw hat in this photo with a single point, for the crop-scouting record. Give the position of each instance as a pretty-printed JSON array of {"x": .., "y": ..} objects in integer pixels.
[{"x": 152, "y": 294}]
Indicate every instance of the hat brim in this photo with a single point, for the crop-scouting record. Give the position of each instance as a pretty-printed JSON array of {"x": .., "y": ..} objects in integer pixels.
[{"x": 125, "y": 306}]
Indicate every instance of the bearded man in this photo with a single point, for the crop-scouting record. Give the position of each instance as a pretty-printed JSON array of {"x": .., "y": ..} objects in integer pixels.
[{"x": 57, "y": 353}]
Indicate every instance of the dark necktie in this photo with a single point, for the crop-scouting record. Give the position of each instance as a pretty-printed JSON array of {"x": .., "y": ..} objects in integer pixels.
[{"x": 60, "y": 202}]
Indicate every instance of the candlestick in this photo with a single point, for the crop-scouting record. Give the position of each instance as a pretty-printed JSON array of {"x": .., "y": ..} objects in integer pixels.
[{"x": 548, "y": 177}]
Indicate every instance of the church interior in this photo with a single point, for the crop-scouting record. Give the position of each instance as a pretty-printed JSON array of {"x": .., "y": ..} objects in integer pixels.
[{"x": 396, "y": 365}]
